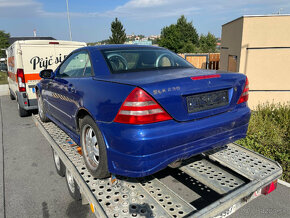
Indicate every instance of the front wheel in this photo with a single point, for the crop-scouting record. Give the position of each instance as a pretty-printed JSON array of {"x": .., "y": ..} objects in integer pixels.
[
  {"x": 41, "y": 109},
  {"x": 94, "y": 149}
]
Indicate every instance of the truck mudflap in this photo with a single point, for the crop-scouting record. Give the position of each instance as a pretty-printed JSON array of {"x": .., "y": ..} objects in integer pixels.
[{"x": 233, "y": 174}]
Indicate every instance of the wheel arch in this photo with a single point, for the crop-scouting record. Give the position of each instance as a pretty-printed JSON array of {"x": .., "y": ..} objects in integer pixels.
[
  {"x": 37, "y": 88},
  {"x": 82, "y": 112}
]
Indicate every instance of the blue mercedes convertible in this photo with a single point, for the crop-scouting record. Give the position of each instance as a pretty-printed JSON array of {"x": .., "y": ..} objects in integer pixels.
[{"x": 135, "y": 110}]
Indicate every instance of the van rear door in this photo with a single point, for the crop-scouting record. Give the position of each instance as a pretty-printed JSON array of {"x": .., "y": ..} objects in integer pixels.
[
  {"x": 64, "y": 48},
  {"x": 34, "y": 59},
  {"x": 40, "y": 55}
]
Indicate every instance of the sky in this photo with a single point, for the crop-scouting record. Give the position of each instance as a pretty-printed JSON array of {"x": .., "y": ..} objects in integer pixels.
[{"x": 91, "y": 19}]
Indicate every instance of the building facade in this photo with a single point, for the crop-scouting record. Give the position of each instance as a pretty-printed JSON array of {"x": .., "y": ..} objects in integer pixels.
[{"x": 259, "y": 46}]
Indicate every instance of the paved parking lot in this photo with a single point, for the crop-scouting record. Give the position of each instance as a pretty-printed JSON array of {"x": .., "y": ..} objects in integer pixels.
[{"x": 30, "y": 187}]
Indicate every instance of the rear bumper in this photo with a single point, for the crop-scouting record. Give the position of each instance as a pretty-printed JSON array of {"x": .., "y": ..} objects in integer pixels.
[
  {"x": 31, "y": 103},
  {"x": 137, "y": 151}
]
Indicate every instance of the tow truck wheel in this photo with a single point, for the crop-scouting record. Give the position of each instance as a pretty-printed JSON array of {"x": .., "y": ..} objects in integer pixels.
[
  {"x": 60, "y": 168},
  {"x": 93, "y": 148},
  {"x": 21, "y": 111},
  {"x": 73, "y": 187},
  {"x": 41, "y": 109}
]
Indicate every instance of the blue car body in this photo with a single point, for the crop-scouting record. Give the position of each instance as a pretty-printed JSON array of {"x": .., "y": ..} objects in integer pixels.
[{"x": 140, "y": 150}]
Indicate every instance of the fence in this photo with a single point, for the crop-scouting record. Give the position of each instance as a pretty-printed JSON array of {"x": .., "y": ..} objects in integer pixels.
[{"x": 203, "y": 60}]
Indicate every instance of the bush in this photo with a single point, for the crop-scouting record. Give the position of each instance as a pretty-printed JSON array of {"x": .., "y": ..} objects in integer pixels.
[
  {"x": 269, "y": 134},
  {"x": 3, "y": 78}
]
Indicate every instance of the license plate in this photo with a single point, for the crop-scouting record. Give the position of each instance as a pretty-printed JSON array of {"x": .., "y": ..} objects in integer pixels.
[
  {"x": 206, "y": 101},
  {"x": 33, "y": 90},
  {"x": 226, "y": 213}
]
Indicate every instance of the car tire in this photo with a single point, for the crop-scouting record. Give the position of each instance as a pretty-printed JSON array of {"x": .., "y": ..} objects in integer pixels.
[
  {"x": 41, "y": 109},
  {"x": 60, "y": 168},
  {"x": 12, "y": 97},
  {"x": 93, "y": 148},
  {"x": 73, "y": 187},
  {"x": 21, "y": 111}
]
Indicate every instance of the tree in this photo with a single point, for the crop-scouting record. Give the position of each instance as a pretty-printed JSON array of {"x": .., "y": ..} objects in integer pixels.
[
  {"x": 118, "y": 33},
  {"x": 207, "y": 43},
  {"x": 179, "y": 37},
  {"x": 4, "y": 43}
]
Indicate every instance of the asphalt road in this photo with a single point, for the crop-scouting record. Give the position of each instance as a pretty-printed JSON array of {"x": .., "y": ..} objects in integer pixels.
[{"x": 30, "y": 186}]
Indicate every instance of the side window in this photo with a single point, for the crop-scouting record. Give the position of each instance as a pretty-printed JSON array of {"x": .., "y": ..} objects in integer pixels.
[
  {"x": 77, "y": 65},
  {"x": 88, "y": 70}
]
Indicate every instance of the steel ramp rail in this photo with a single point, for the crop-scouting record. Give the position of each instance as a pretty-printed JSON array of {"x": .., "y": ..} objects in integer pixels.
[
  {"x": 247, "y": 163},
  {"x": 231, "y": 171},
  {"x": 128, "y": 198},
  {"x": 212, "y": 176}
]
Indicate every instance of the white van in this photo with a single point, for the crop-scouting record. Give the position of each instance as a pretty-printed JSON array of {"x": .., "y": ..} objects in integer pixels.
[{"x": 25, "y": 59}]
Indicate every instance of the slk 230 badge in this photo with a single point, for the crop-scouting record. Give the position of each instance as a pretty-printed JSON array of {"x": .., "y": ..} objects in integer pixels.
[{"x": 170, "y": 89}]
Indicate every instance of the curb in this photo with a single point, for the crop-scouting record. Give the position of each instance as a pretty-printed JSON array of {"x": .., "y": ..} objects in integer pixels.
[
  {"x": 284, "y": 183},
  {"x": 4, "y": 89}
]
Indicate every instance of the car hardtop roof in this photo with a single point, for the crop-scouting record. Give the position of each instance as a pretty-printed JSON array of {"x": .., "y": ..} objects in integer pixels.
[{"x": 120, "y": 46}]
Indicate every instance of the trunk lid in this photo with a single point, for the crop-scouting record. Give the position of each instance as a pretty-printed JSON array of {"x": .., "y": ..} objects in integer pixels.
[{"x": 185, "y": 98}]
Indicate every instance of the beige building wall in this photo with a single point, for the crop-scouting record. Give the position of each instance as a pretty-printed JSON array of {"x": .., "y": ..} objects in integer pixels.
[
  {"x": 264, "y": 55},
  {"x": 231, "y": 41}
]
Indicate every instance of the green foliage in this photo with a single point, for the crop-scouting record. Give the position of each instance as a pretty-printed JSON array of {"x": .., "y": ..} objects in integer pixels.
[
  {"x": 105, "y": 41},
  {"x": 183, "y": 38},
  {"x": 118, "y": 33},
  {"x": 3, "y": 77},
  {"x": 207, "y": 44},
  {"x": 3, "y": 43},
  {"x": 179, "y": 37},
  {"x": 92, "y": 43},
  {"x": 269, "y": 134}
]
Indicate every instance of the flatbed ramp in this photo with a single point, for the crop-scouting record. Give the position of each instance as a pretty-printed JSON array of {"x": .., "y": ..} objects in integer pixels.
[{"x": 234, "y": 173}]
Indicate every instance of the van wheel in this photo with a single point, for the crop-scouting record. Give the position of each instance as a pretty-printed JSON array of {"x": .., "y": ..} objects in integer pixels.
[
  {"x": 73, "y": 187},
  {"x": 60, "y": 168},
  {"x": 41, "y": 109},
  {"x": 21, "y": 111},
  {"x": 12, "y": 97},
  {"x": 94, "y": 149}
]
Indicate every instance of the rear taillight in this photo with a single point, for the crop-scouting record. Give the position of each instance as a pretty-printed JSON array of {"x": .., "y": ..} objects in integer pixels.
[
  {"x": 140, "y": 108},
  {"x": 269, "y": 188},
  {"x": 21, "y": 81},
  {"x": 245, "y": 94}
]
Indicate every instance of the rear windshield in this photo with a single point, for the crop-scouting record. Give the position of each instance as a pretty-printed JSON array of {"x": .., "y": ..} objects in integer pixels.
[{"x": 143, "y": 59}]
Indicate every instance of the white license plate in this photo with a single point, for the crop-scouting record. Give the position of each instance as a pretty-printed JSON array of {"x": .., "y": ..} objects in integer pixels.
[
  {"x": 228, "y": 212},
  {"x": 33, "y": 90}
]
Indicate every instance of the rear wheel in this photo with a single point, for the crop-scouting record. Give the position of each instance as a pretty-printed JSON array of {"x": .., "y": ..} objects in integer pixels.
[
  {"x": 12, "y": 97},
  {"x": 94, "y": 149},
  {"x": 21, "y": 111},
  {"x": 41, "y": 109},
  {"x": 73, "y": 187}
]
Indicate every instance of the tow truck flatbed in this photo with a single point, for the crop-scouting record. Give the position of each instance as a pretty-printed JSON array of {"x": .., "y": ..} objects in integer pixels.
[{"x": 236, "y": 174}]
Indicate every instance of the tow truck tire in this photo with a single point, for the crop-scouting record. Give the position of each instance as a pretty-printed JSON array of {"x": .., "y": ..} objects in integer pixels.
[
  {"x": 60, "y": 168},
  {"x": 73, "y": 188},
  {"x": 41, "y": 109},
  {"x": 21, "y": 111},
  {"x": 12, "y": 97},
  {"x": 93, "y": 148}
]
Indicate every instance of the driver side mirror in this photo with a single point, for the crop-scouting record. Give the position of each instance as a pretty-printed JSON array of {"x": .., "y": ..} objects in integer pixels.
[{"x": 47, "y": 74}]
